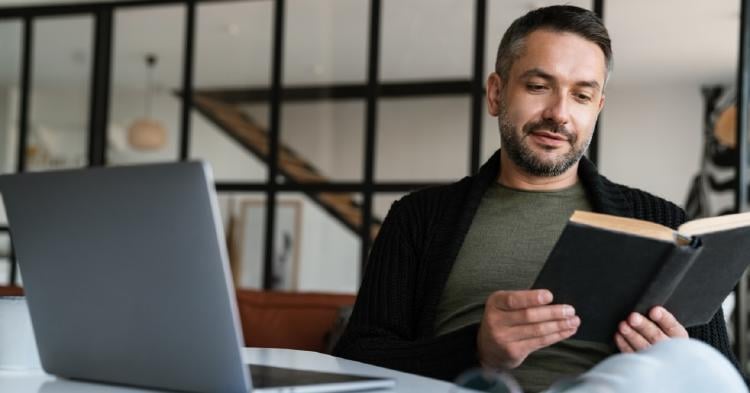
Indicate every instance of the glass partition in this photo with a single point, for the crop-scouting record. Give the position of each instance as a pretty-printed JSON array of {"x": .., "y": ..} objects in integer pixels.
[
  {"x": 233, "y": 49},
  {"x": 317, "y": 244},
  {"x": 10, "y": 77},
  {"x": 322, "y": 141},
  {"x": 145, "y": 106},
  {"x": 425, "y": 139},
  {"x": 61, "y": 84},
  {"x": 325, "y": 42},
  {"x": 243, "y": 215},
  {"x": 426, "y": 39}
]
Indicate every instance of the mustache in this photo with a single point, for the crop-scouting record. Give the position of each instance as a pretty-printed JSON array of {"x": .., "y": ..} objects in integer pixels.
[{"x": 548, "y": 125}]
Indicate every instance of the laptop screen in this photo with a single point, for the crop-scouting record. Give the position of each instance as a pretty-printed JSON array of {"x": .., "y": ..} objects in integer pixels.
[
  {"x": 126, "y": 275},
  {"x": 127, "y": 281}
]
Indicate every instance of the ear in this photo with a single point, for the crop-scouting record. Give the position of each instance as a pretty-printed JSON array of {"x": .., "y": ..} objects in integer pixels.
[
  {"x": 601, "y": 104},
  {"x": 494, "y": 98}
]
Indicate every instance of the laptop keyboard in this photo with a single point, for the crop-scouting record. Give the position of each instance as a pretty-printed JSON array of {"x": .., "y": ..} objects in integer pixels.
[{"x": 274, "y": 377}]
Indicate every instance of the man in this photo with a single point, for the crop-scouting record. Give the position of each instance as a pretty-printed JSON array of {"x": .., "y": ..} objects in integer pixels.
[{"x": 446, "y": 286}]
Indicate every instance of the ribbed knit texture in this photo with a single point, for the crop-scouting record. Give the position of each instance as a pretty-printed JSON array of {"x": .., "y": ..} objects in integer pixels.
[{"x": 393, "y": 318}]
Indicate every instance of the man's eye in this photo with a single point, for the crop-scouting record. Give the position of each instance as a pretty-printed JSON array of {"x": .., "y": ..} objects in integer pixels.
[
  {"x": 534, "y": 87},
  {"x": 583, "y": 97}
]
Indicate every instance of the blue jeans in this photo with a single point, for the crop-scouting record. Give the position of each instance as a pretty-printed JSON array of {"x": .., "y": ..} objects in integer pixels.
[{"x": 671, "y": 366}]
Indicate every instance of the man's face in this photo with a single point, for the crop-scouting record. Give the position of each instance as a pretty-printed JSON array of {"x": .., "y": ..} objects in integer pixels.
[{"x": 547, "y": 108}]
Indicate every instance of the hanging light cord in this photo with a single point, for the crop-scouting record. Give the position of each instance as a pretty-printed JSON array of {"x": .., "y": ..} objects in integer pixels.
[{"x": 150, "y": 63}]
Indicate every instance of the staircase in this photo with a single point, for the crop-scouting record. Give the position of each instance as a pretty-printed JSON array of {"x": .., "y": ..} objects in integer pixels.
[{"x": 243, "y": 129}]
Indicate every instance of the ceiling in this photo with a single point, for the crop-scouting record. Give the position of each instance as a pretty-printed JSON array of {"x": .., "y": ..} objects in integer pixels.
[{"x": 655, "y": 43}]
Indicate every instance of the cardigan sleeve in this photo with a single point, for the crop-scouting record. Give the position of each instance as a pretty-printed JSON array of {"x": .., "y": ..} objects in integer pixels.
[{"x": 383, "y": 326}]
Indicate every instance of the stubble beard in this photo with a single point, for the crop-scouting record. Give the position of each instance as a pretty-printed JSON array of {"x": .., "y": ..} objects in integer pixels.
[{"x": 526, "y": 159}]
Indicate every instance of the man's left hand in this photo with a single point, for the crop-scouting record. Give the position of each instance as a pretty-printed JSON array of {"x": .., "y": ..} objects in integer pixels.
[{"x": 639, "y": 332}]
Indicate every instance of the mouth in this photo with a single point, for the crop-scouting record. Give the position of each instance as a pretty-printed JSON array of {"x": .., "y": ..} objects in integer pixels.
[
  {"x": 549, "y": 140},
  {"x": 550, "y": 135}
]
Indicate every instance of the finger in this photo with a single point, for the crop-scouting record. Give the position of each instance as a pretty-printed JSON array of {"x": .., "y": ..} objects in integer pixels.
[
  {"x": 541, "y": 329},
  {"x": 622, "y": 344},
  {"x": 648, "y": 329},
  {"x": 539, "y": 314},
  {"x": 516, "y": 300},
  {"x": 633, "y": 338},
  {"x": 533, "y": 344},
  {"x": 667, "y": 322}
]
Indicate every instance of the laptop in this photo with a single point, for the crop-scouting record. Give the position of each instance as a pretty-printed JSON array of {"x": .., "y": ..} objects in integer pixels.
[{"x": 127, "y": 281}]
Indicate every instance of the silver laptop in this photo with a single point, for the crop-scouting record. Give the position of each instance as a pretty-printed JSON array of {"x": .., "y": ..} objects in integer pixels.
[{"x": 127, "y": 281}]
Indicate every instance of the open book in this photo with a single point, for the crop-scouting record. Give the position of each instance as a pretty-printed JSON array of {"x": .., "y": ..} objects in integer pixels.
[{"x": 608, "y": 266}]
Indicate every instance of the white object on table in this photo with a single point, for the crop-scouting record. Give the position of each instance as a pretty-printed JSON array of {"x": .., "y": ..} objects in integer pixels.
[{"x": 17, "y": 343}]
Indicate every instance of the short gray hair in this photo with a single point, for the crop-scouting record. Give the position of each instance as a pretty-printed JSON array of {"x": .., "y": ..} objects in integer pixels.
[{"x": 557, "y": 18}]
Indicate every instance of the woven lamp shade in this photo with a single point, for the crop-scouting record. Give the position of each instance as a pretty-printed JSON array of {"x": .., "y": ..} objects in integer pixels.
[{"x": 147, "y": 134}]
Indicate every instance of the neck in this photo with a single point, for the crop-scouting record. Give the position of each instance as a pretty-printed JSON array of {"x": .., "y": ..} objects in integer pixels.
[{"x": 513, "y": 176}]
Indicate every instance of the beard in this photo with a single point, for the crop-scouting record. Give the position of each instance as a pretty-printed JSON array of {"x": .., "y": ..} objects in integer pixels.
[{"x": 525, "y": 158}]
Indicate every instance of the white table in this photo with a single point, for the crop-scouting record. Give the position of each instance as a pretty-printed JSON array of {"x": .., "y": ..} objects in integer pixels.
[{"x": 36, "y": 381}]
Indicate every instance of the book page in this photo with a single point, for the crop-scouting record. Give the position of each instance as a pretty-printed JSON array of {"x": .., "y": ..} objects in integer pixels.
[
  {"x": 624, "y": 224},
  {"x": 715, "y": 224}
]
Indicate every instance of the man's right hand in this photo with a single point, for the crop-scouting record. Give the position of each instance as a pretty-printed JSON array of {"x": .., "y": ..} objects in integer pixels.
[{"x": 517, "y": 323}]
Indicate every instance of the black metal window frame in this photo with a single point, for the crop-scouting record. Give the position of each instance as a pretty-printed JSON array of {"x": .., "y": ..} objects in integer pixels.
[
  {"x": 372, "y": 91},
  {"x": 740, "y": 319}
]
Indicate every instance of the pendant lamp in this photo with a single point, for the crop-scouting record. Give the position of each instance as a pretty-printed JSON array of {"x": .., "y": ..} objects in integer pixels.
[{"x": 147, "y": 133}]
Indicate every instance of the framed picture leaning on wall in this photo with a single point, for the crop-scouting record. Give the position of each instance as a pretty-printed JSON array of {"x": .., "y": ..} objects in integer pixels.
[{"x": 287, "y": 241}]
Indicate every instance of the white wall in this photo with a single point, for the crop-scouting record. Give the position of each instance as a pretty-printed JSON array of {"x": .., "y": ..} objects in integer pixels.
[
  {"x": 6, "y": 133},
  {"x": 652, "y": 137},
  {"x": 329, "y": 135},
  {"x": 5, "y": 129},
  {"x": 423, "y": 139},
  {"x": 8, "y": 137},
  {"x": 327, "y": 254}
]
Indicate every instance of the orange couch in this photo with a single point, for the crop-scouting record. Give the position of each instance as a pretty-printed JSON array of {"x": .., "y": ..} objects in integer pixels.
[
  {"x": 11, "y": 291},
  {"x": 289, "y": 319}
]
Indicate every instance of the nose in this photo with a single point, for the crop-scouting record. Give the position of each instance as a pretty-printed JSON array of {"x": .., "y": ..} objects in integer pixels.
[{"x": 557, "y": 110}]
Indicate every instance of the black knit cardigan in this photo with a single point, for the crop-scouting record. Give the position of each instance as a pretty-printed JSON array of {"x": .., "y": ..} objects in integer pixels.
[{"x": 393, "y": 318}]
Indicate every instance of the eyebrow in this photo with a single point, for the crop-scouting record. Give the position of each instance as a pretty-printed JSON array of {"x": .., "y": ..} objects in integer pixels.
[{"x": 538, "y": 72}]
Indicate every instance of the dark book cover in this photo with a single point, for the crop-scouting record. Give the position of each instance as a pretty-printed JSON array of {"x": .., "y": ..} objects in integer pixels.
[
  {"x": 724, "y": 256},
  {"x": 605, "y": 274}
]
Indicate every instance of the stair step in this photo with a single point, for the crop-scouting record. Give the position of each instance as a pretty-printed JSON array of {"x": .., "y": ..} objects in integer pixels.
[{"x": 241, "y": 125}]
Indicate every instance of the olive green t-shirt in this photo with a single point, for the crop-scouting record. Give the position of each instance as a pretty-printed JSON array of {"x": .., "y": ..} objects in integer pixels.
[{"x": 509, "y": 239}]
